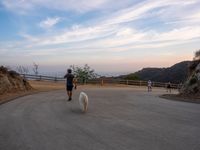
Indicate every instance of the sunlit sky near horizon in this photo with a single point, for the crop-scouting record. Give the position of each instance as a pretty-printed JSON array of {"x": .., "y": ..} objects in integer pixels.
[{"x": 112, "y": 36}]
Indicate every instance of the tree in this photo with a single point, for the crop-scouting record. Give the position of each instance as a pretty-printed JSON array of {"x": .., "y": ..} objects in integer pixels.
[
  {"x": 83, "y": 73},
  {"x": 197, "y": 55},
  {"x": 22, "y": 69},
  {"x": 195, "y": 61},
  {"x": 35, "y": 68}
]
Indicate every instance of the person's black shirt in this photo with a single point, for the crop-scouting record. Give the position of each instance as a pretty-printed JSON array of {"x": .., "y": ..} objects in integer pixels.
[{"x": 70, "y": 78}]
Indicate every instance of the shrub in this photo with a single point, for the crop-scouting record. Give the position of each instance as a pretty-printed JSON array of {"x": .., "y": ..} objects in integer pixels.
[
  {"x": 195, "y": 89},
  {"x": 13, "y": 73},
  {"x": 193, "y": 80},
  {"x": 3, "y": 70},
  {"x": 132, "y": 76},
  {"x": 193, "y": 65}
]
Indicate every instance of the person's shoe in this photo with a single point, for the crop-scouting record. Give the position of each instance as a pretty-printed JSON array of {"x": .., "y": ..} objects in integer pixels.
[{"x": 69, "y": 99}]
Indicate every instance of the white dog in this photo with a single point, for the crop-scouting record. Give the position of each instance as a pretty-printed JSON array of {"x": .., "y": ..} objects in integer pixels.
[{"x": 83, "y": 101}]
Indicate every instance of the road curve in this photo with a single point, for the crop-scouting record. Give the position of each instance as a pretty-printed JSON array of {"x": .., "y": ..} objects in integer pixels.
[{"x": 117, "y": 119}]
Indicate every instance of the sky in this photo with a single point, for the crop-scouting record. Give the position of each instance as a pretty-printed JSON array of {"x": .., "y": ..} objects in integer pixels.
[{"x": 111, "y": 36}]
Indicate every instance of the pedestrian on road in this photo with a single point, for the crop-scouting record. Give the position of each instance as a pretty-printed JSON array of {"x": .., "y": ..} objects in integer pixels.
[
  {"x": 69, "y": 83},
  {"x": 149, "y": 84},
  {"x": 169, "y": 87},
  {"x": 180, "y": 86}
]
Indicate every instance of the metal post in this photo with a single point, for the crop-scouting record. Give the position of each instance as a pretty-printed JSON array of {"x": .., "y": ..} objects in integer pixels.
[{"x": 101, "y": 82}]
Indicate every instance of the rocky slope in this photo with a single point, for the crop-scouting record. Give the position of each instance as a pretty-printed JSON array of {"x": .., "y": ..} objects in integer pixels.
[
  {"x": 192, "y": 86},
  {"x": 11, "y": 81}
]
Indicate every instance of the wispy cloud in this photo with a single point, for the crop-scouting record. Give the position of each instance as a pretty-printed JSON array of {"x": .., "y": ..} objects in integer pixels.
[
  {"x": 49, "y": 22},
  {"x": 69, "y": 5},
  {"x": 146, "y": 25}
]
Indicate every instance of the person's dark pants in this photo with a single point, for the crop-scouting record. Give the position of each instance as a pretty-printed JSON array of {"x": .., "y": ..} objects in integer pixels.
[
  {"x": 69, "y": 91},
  {"x": 69, "y": 87}
]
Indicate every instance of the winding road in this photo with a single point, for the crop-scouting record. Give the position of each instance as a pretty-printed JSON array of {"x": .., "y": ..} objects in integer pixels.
[{"x": 118, "y": 119}]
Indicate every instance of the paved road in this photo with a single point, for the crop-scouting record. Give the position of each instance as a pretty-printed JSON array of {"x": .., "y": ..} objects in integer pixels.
[{"x": 118, "y": 119}]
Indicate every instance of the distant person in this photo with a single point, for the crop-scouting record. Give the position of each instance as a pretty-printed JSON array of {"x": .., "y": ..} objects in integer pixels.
[
  {"x": 69, "y": 83},
  {"x": 180, "y": 85},
  {"x": 149, "y": 84},
  {"x": 169, "y": 86}
]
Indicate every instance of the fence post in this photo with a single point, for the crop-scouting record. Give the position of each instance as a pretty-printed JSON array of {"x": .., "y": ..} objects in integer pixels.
[
  {"x": 140, "y": 83},
  {"x": 102, "y": 82},
  {"x": 40, "y": 77},
  {"x": 127, "y": 82},
  {"x": 55, "y": 79}
]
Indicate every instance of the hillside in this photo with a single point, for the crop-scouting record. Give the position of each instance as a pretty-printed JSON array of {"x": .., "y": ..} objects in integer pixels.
[
  {"x": 175, "y": 74},
  {"x": 12, "y": 82}
]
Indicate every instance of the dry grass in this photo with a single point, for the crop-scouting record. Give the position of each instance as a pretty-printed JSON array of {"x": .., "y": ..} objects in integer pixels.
[
  {"x": 47, "y": 85},
  {"x": 38, "y": 86}
]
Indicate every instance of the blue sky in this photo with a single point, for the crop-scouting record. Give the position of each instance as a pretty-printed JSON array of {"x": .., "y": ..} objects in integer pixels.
[{"x": 112, "y": 36}]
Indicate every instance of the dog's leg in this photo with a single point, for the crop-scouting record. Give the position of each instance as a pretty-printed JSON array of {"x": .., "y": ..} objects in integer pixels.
[{"x": 84, "y": 107}]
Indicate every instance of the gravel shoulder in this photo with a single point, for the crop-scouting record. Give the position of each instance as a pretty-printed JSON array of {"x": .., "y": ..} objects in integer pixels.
[{"x": 181, "y": 98}]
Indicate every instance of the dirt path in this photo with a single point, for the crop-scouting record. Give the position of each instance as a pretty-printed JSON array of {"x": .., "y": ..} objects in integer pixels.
[{"x": 118, "y": 118}]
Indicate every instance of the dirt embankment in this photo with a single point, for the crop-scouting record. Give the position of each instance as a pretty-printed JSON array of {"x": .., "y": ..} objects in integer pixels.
[{"x": 11, "y": 83}]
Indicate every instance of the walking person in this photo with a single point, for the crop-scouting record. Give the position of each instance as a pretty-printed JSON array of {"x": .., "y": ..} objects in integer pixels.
[
  {"x": 149, "y": 84},
  {"x": 69, "y": 83},
  {"x": 169, "y": 87},
  {"x": 180, "y": 86}
]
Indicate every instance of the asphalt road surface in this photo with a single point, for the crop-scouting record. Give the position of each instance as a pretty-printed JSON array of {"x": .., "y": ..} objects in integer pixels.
[{"x": 117, "y": 119}]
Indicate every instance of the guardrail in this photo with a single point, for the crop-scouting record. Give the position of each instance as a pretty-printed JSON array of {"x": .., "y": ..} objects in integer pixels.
[
  {"x": 100, "y": 81},
  {"x": 130, "y": 82},
  {"x": 42, "y": 77}
]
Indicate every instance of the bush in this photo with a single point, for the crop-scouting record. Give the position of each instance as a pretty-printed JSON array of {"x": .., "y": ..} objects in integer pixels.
[
  {"x": 132, "y": 76},
  {"x": 13, "y": 73},
  {"x": 3, "y": 70},
  {"x": 193, "y": 80}
]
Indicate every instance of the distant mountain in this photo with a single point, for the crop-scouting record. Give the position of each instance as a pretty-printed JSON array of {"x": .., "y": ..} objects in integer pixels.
[{"x": 175, "y": 74}]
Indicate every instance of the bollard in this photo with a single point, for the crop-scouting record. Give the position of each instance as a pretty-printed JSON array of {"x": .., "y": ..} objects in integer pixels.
[{"x": 101, "y": 82}]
